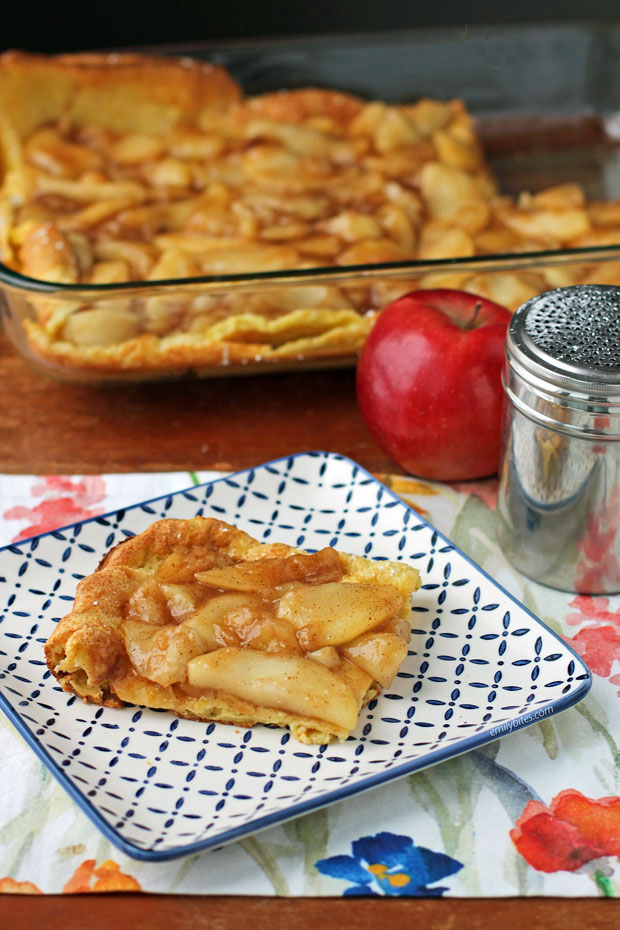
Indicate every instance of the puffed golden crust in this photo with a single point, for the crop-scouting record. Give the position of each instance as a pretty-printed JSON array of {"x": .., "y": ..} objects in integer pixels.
[
  {"x": 121, "y": 92},
  {"x": 90, "y": 651},
  {"x": 238, "y": 343}
]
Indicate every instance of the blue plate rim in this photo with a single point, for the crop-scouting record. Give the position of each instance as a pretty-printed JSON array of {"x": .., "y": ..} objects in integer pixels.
[{"x": 261, "y": 823}]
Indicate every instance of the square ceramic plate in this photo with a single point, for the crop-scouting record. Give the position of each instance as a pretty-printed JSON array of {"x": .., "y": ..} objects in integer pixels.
[{"x": 159, "y": 787}]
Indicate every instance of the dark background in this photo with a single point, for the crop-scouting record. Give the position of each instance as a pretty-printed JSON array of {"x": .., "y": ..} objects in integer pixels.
[{"x": 89, "y": 24}]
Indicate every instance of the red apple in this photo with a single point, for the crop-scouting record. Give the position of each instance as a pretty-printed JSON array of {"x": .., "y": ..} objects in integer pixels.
[{"x": 429, "y": 383}]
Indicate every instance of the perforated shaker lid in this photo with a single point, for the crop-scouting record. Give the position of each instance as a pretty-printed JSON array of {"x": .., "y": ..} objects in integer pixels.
[{"x": 570, "y": 337}]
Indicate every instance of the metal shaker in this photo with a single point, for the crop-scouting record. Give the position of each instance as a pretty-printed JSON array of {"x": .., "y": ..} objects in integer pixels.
[{"x": 559, "y": 491}]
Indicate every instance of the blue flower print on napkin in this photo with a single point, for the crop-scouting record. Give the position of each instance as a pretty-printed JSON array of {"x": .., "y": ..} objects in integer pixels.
[{"x": 392, "y": 864}]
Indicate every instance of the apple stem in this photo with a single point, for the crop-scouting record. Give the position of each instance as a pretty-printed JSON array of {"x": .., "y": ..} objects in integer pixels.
[{"x": 472, "y": 321}]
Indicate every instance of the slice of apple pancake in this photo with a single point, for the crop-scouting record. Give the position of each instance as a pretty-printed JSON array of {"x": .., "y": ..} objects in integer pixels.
[{"x": 197, "y": 617}]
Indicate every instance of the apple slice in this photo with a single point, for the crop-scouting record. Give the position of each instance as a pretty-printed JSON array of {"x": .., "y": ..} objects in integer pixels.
[
  {"x": 147, "y": 603},
  {"x": 242, "y": 620},
  {"x": 399, "y": 626},
  {"x": 357, "y": 680},
  {"x": 161, "y": 653},
  {"x": 327, "y": 656},
  {"x": 180, "y": 600},
  {"x": 324, "y": 565},
  {"x": 284, "y": 682},
  {"x": 337, "y": 612},
  {"x": 210, "y": 620},
  {"x": 379, "y": 654}
]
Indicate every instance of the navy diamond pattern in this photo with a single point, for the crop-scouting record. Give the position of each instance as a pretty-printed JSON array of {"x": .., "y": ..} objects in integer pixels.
[{"x": 160, "y": 787}]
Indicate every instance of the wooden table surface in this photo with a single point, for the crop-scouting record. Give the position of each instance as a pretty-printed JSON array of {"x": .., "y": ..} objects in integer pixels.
[{"x": 49, "y": 427}]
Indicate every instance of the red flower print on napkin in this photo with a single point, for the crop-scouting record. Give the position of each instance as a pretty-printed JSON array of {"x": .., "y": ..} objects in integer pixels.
[
  {"x": 10, "y": 886},
  {"x": 598, "y": 646},
  {"x": 598, "y": 643},
  {"x": 592, "y": 608},
  {"x": 66, "y": 500},
  {"x": 107, "y": 877},
  {"x": 572, "y": 831},
  {"x": 88, "y": 877}
]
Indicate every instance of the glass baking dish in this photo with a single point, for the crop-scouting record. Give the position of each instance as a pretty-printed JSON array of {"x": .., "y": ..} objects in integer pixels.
[{"x": 543, "y": 102}]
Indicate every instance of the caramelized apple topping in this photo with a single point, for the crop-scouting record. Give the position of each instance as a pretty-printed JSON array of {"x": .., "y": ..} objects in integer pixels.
[
  {"x": 315, "y": 568},
  {"x": 237, "y": 625}
]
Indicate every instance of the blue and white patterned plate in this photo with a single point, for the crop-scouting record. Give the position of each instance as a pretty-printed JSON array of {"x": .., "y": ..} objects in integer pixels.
[{"x": 480, "y": 665}]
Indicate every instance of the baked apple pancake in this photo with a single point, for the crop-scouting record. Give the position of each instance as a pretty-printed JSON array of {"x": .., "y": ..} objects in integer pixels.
[
  {"x": 197, "y": 617},
  {"x": 128, "y": 168},
  {"x": 127, "y": 180}
]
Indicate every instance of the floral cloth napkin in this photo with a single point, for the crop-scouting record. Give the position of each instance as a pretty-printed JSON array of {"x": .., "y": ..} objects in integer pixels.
[{"x": 534, "y": 813}]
